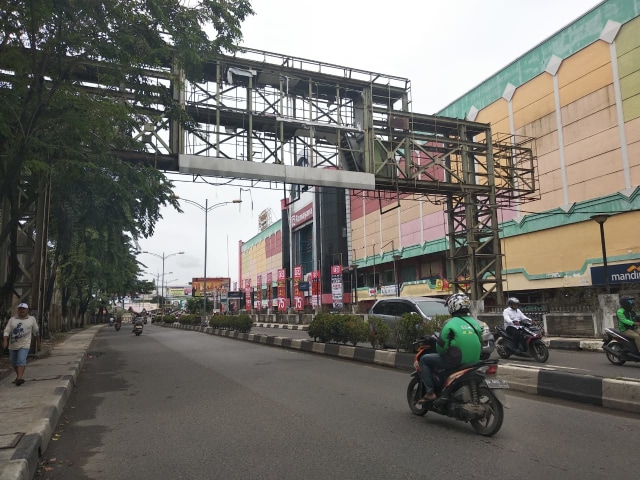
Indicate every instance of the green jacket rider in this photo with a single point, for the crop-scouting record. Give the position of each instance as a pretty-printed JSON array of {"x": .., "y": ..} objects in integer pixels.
[
  {"x": 465, "y": 333},
  {"x": 627, "y": 322}
]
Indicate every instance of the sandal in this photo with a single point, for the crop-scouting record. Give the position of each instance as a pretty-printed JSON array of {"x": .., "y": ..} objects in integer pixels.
[
  {"x": 429, "y": 397},
  {"x": 19, "y": 381}
]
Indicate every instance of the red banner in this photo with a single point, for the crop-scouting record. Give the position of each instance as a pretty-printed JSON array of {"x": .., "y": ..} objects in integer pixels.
[
  {"x": 282, "y": 289},
  {"x": 297, "y": 295},
  {"x": 247, "y": 294}
]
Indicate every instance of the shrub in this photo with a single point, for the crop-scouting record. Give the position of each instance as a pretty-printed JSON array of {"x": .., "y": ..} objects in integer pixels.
[
  {"x": 411, "y": 327},
  {"x": 378, "y": 333},
  {"x": 318, "y": 327},
  {"x": 168, "y": 318},
  {"x": 336, "y": 327},
  {"x": 241, "y": 323}
]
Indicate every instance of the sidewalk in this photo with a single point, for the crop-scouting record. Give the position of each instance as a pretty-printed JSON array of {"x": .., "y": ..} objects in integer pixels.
[{"x": 30, "y": 412}]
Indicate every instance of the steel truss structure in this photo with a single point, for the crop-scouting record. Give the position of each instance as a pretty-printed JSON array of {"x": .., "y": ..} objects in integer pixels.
[{"x": 265, "y": 119}]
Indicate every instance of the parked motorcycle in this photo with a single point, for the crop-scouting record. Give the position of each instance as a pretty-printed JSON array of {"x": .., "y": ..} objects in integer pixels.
[
  {"x": 618, "y": 348},
  {"x": 534, "y": 346},
  {"x": 471, "y": 393},
  {"x": 137, "y": 329}
]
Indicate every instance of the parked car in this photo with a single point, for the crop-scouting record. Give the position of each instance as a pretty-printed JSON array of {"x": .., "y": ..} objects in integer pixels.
[{"x": 390, "y": 310}]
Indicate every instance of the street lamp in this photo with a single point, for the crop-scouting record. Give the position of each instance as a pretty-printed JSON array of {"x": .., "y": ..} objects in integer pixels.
[
  {"x": 206, "y": 209},
  {"x": 163, "y": 257},
  {"x": 601, "y": 218}
]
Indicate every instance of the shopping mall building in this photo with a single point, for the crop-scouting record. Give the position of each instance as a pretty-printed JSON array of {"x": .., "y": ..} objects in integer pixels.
[{"x": 576, "y": 99}]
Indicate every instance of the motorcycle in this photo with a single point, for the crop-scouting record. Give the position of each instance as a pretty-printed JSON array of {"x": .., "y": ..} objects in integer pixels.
[
  {"x": 470, "y": 393},
  {"x": 137, "y": 329},
  {"x": 618, "y": 348},
  {"x": 534, "y": 345},
  {"x": 117, "y": 326}
]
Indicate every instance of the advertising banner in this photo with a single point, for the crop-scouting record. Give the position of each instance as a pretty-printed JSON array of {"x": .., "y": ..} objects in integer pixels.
[
  {"x": 247, "y": 294},
  {"x": 282, "y": 289},
  {"x": 336, "y": 286},
  {"x": 259, "y": 293},
  {"x": 214, "y": 284},
  {"x": 297, "y": 294}
]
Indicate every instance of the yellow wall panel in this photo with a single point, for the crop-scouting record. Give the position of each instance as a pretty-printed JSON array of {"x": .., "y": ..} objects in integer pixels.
[
  {"x": 629, "y": 37},
  {"x": 548, "y": 200},
  {"x": 588, "y": 105},
  {"x": 634, "y": 162},
  {"x": 631, "y": 108},
  {"x": 549, "y": 163},
  {"x": 545, "y": 144},
  {"x": 588, "y": 127},
  {"x": 632, "y": 131},
  {"x": 533, "y": 100},
  {"x": 591, "y": 167},
  {"x": 605, "y": 184},
  {"x": 630, "y": 85},
  {"x": 628, "y": 62},
  {"x": 410, "y": 211},
  {"x": 501, "y": 126},
  {"x": 539, "y": 129},
  {"x": 584, "y": 62},
  {"x": 578, "y": 242},
  {"x": 497, "y": 111},
  {"x": 586, "y": 85}
]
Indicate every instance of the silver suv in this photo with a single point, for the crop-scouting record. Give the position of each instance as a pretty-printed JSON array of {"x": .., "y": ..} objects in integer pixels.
[{"x": 390, "y": 310}]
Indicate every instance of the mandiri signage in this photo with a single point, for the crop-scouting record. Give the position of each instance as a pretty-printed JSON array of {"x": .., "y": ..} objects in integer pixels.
[{"x": 620, "y": 273}]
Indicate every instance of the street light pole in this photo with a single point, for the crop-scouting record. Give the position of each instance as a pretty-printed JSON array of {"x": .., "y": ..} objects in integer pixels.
[
  {"x": 601, "y": 218},
  {"x": 206, "y": 209},
  {"x": 163, "y": 257}
]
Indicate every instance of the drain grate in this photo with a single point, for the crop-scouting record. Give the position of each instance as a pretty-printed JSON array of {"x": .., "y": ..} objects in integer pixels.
[{"x": 10, "y": 440}]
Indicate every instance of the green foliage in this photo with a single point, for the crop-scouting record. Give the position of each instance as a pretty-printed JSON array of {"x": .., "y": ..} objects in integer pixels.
[
  {"x": 168, "y": 319},
  {"x": 328, "y": 327},
  {"x": 241, "y": 323},
  {"x": 379, "y": 332},
  {"x": 411, "y": 327}
]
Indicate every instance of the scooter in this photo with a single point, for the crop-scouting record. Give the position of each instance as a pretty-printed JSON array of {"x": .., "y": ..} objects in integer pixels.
[
  {"x": 534, "y": 345},
  {"x": 471, "y": 393},
  {"x": 137, "y": 329},
  {"x": 618, "y": 348}
]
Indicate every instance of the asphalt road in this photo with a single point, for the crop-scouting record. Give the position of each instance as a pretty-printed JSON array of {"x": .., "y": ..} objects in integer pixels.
[
  {"x": 181, "y": 405},
  {"x": 572, "y": 361}
]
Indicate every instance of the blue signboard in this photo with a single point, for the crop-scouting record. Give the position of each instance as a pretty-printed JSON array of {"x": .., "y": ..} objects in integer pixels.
[
  {"x": 303, "y": 286},
  {"x": 621, "y": 273}
]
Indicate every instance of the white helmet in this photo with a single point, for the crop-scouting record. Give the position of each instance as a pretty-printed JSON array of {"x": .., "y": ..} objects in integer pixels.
[
  {"x": 513, "y": 301},
  {"x": 457, "y": 302}
]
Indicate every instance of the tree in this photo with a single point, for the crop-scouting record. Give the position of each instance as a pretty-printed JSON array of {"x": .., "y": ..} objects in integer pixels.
[{"x": 55, "y": 130}]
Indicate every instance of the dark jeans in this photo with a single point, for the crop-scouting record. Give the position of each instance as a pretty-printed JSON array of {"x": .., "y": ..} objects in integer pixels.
[
  {"x": 427, "y": 363},
  {"x": 514, "y": 333}
]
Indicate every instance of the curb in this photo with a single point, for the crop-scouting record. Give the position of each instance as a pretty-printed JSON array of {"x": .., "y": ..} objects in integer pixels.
[
  {"x": 618, "y": 394},
  {"x": 35, "y": 416}
]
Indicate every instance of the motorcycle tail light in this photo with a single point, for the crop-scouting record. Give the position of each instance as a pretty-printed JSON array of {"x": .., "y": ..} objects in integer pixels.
[{"x": 490, "y": 369}]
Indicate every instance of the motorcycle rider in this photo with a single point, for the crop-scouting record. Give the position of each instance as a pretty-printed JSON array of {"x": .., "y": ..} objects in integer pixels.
[
  {"x": 137, "y": 321},
  {"x": 459, "y": 342},
  {"x": 627, "y": 319},
  {"x": 512, "y": 316}
]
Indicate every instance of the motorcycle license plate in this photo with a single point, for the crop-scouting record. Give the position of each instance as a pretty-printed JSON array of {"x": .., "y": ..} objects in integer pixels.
[{"x": 496, "y": 383}]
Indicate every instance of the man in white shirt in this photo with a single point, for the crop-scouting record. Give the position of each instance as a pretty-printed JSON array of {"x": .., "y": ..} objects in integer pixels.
[
  {"x": 512, "y": 316},
  {"x": 17, "y": 335}
]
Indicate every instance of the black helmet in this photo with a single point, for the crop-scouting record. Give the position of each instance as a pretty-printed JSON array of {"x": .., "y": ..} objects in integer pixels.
[
  {"x": 513, "y": 302},
  {"x": 627, "y": 301}
]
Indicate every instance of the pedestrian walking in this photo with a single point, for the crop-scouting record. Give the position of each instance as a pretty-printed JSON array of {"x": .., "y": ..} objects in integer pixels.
[{"x": 17, "y": 335}]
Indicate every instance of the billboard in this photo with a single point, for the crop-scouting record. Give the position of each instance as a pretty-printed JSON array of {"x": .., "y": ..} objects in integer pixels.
[{"x": 214, "y": 285}]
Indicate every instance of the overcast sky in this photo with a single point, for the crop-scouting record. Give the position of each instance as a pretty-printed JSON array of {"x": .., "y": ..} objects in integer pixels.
[{"x": 444, "y": 47}]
